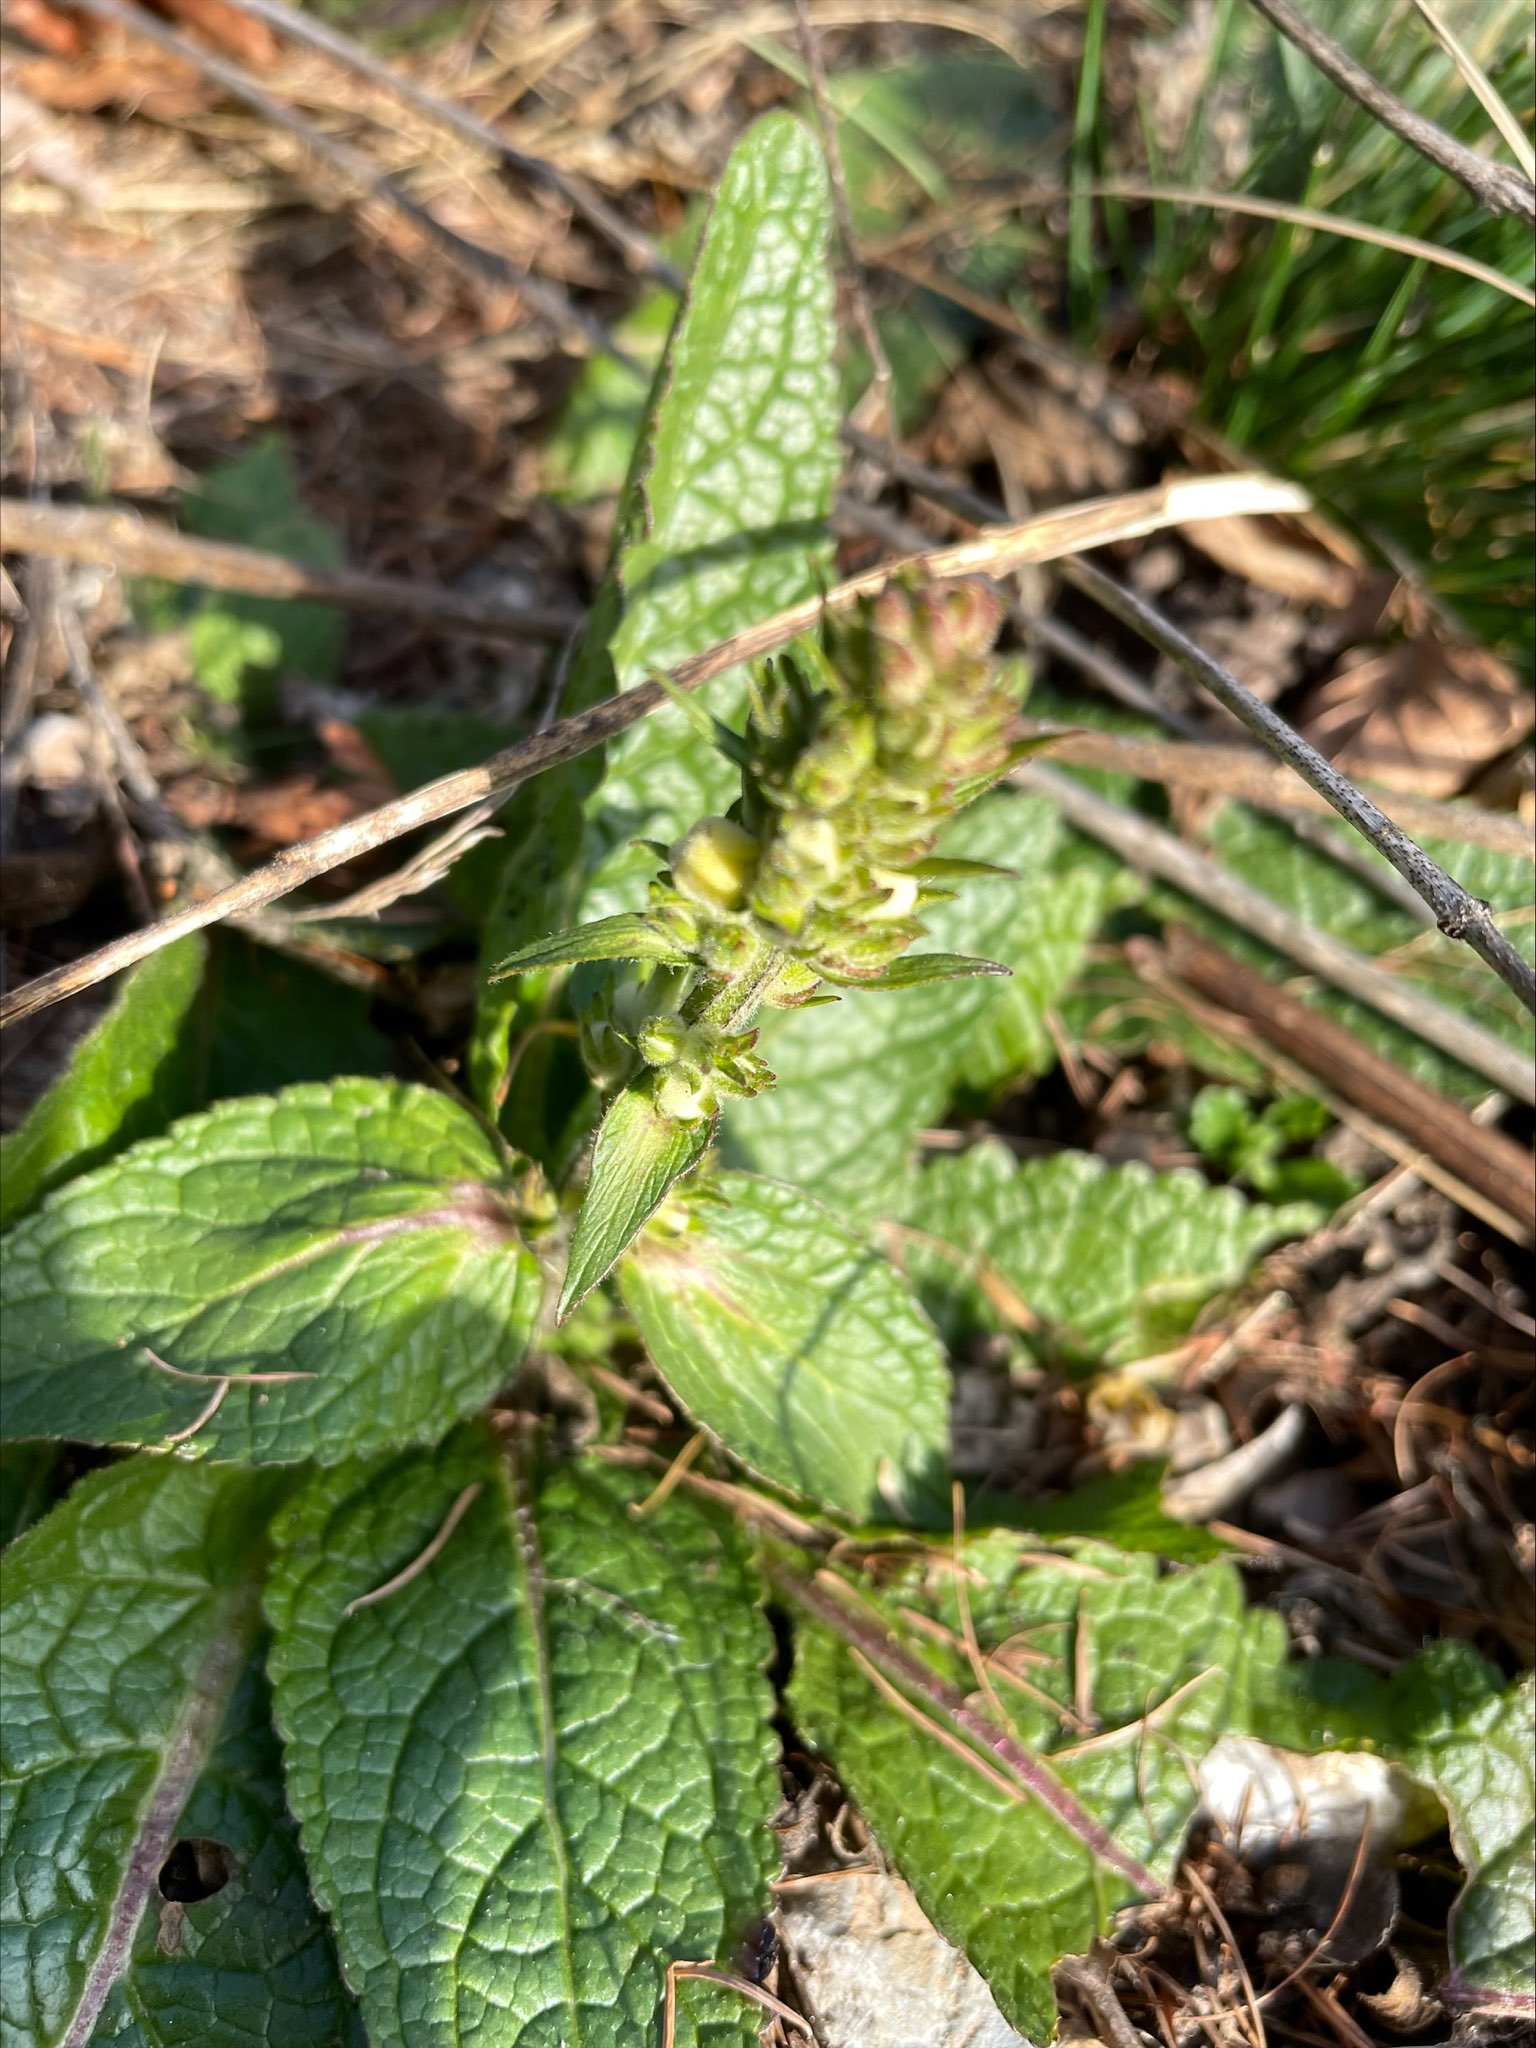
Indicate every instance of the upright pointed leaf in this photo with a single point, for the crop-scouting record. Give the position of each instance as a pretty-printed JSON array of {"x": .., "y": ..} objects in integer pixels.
[
  {"x": 126, "y": 1079},
  {"x": 133, "y": 1717},
  {"x": 738, "y": 486},
  {"x": 359, "y": 1237},
  {"x": 798, "y": 1344},
  {"x": 920, "y": 970},
  {"x": 722, "y": 521},
  {"x": 538, "y": 1769},
  {"x": 638, "y": 1156}
]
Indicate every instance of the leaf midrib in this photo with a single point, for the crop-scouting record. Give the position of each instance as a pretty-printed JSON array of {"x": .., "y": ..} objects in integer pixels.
[
  {"x": 525, "y": 1545},
  {"x": 187, "y": 1749}
]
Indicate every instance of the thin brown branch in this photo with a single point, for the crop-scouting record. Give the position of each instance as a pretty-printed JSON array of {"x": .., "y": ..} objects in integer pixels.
[
  {"x": 120, "y": 539},
  {"x": 994, "y": 554},
  {"x": 1255, "y": 778},
  {"x": 1499, "y": 187},
  {"x": 1458, "y": 914},
  {"x": 1487, "y": 1160},
  {"x": 1153, "y": 851},
  {"x": 547, "y": 299}
]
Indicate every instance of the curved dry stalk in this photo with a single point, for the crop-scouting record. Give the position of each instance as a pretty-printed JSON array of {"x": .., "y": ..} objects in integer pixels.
[
  {"x": 1325, "y": 223},
  {"x": 995, "y": 554}
]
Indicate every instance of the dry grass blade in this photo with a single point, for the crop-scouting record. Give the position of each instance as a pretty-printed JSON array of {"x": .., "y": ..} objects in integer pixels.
[
  {"x": 1480, "y": 83},
  {"x": 1301, "y": 217},
  {"x": 117, "y": 538},
  {"x": 1047, "y": 538}
]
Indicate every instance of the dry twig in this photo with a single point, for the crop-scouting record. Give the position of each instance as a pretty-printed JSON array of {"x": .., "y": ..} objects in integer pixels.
[
  {"x": 1156, "y": 852},
  {"x": 994, "y": 554},
  {"x": 117, "y": 538},
  {"x": 1458, "y": 914},
  {"x": 1499, "y": 187}
]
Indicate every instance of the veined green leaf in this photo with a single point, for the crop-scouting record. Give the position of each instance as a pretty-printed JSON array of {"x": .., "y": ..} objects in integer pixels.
[
  {"x": 1115, "y": 1262},
  {"x": 1022, "y": 1835},
  {"x": 738, "y": 486},
  {"x": 355, "y": 1241},
  {"x": 537, "y": 1769},
  {"x": 919, "y": 970},
  {"x": 629, "y": 935},
  {"x": 28, "y": 1480},
  {"x": 1460, "y": 1729},
  {"x": 799, "y": 1345},
  {"x": 638, "y": 1155},
  {"x": 134, "y": 1718},
  {"x": 127, "y": 1078}
]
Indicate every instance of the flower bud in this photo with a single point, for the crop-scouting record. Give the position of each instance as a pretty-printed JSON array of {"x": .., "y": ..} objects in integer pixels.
[
  {"x": 661, "y": 1041},
  {"x": 714, "y": 864},
  {"x": 685, "y": 1093}
]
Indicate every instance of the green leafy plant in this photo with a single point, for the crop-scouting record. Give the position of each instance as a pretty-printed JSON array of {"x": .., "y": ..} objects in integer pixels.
[{"x": 373, "y": 1690}]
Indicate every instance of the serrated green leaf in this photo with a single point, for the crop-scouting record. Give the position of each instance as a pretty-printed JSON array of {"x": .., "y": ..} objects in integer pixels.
[
  {"x": 269, "y": 1021},
  {"x": 859, "y": 1078},
  {"x": 1121, "y": 1508},
  {"x": 629, "y": 935},
  {"x": 638, "y": 1155},
  {"x": 738, "y": 486},
  {"x": 362, "y": 1234},
  {"x": 127, "y": 1078},
  {"x": 130, "y": 1619},
  {"x": 539, "y": 1770},
  {"x": 1457, "y": 1726},
  {"x": 255, "y": 500},
  {"x": 1011, "y": 1041},
  {"x": 798, "y": 1345},
  {"x": 921, "y": 970},
  {"x": 1115, "y": 1262},
  {"x": 1016, "y": 1869}
]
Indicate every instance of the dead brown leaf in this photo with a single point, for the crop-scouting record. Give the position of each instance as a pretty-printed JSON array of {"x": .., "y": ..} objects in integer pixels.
[
  {"x": 1260, "y": 552},
  {"x": 1422, "y": 717},
  {"x": 226, "y": 29}
]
